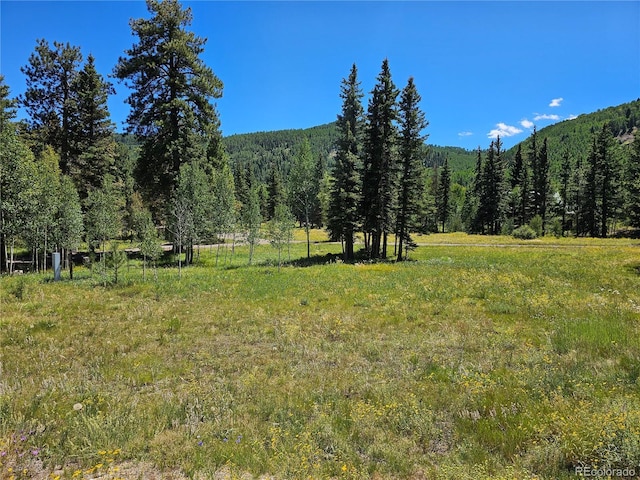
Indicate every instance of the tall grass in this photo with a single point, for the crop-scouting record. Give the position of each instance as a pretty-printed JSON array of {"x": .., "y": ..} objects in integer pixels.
[{"x": 467, "y": 362}]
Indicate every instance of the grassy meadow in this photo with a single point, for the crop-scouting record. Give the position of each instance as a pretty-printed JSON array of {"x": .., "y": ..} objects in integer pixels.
[{"x": 470, "y": 361}]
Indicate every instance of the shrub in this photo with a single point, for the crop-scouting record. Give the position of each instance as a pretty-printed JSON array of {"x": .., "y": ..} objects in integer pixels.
[
  {"x": 536, "y": 225},
  {"x": 525, "y": 232}
]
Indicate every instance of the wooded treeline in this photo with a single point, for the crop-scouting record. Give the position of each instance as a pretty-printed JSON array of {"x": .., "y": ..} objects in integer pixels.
[{"x": 67, "y": 178}]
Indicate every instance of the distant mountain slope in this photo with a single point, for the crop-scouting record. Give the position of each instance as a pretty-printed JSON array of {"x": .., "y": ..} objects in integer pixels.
[
  {"x": 575, "y": 135},
  {"x": 279, "y": 147}
]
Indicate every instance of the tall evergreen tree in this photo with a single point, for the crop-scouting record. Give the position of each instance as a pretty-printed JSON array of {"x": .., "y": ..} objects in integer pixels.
[
  {"x": 565, "y": 178},
  {"x": 49, "y": 97},
  {"x": 492, "y": 201},
  {"x": 412, "y": 122},
  {"x": 470, "y": 215},
  {"x": 532, "y": 161},
  {"x": 590, "y": 198},
  {"x": 577, "y": 192},
  {"x": 93, "y": 145},
  {"x": 610, "y": 179},
  {"x": 347, "y": 187},
  {"x": 172, "y": 88},
  {"x": 519, "y": 188},
  {"x": 542, "y": 185},
  {"x": 632, "y": 184},
  {"x": 379, "y": 175},
  {"x": 444, "y": 192},
  {"x": 275, "y": 190}
]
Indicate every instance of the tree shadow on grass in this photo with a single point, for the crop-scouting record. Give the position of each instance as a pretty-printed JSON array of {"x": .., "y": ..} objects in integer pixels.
[{"x": 634, "y": 268}]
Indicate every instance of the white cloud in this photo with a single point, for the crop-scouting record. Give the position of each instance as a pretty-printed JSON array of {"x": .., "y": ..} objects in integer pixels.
[
  {"x": 546, "y": 117},
  {"x": 504, "y": 130},
  {"x": 572, "y": 116},
  {"x": 527, "y": 123},
  {"x": 556, "y": 102},
  {"x": 465, "y": 134}
]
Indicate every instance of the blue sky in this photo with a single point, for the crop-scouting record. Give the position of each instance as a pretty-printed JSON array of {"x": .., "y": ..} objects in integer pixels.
[{"x": 482, "y": 68}]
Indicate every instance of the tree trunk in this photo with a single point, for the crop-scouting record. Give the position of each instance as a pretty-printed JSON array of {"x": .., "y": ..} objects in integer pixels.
[
  {"x": 70, "y": 260},
  {"x": 4, "y": 259},
  {"x": 12, "y": 250}
]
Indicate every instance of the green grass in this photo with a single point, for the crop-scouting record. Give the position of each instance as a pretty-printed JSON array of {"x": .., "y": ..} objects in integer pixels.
[{"x": 466, "y": 362}]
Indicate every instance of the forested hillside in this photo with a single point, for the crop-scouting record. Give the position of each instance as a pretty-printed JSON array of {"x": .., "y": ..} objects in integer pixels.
[
  {"x": 574, "y": 136},
  {"x": 264, "y": 148},
  {"x": 580, "y": 175}
]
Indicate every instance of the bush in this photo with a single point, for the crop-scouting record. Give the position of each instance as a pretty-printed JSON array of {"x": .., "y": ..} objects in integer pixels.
[
  {"x": 507, "y": 227},
  {"x": 556, "y": 227},
  {"x": 525, "y": 232},
  {"x": 536, "y": 225}
]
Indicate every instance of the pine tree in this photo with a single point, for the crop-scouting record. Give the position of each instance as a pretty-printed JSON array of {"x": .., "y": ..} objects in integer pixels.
[
  {"x": 542, "y": 186},
  {"x": 379, "y": 177},
  {"x": 93, "y": 146},
  {"x": 412, "y": 122},
  {"x": 565, "y": 178},
  {"x": 610, "y": 179},
  {"x": 171, "y": 112},
  {"x": 492, "y": 200},
  {"x": 533, "y": 199},
  {"x": 590, "y": 198},
  {"x": 577, "y": 190},
  {"x": 470, "y": 209},
  {"x": 276, "y": 190},
  {"x": 347, "y": 187},
  {"x": 632, "y": 184},
  {"x": 49, "y": 97},
  {"x": 444, "y": 192},
  {"x": 519, "y": 189}
]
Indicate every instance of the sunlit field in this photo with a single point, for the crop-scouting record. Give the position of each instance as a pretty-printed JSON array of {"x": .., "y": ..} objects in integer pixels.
[{"x": 491, "y": 358}]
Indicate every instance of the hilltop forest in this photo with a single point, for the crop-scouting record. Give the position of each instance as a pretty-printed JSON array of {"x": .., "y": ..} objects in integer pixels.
[{"x": 67, "y": 178}]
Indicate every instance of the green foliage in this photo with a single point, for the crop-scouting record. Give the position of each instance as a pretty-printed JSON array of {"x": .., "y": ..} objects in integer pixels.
[
  {"x": 49, "y": 97},
  {"x": 632, "y": 184},
  {"x": 412, "y": 123},
  {"x": 443, "y": 194},
  {"x": 536, "y": 225},
  {"x": 103, "y": 218},
  {"x": 93, "y": 146},
  {"x": 304, "y": 188},
  {"x": 346, "y": 189},
  {"x": 525, "y": 232},
  {"x": 69, "y": 225},
  {"x": 379, "y": 170},
  {"x": 280, "y": 230},
  {"x": 116, "y": 260},
  {"x": 171, "y": 93},
  {"x": 267, "y": 150},
  {"x": 251, "y": 220},
  {"x": 575, "y": 135}
]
